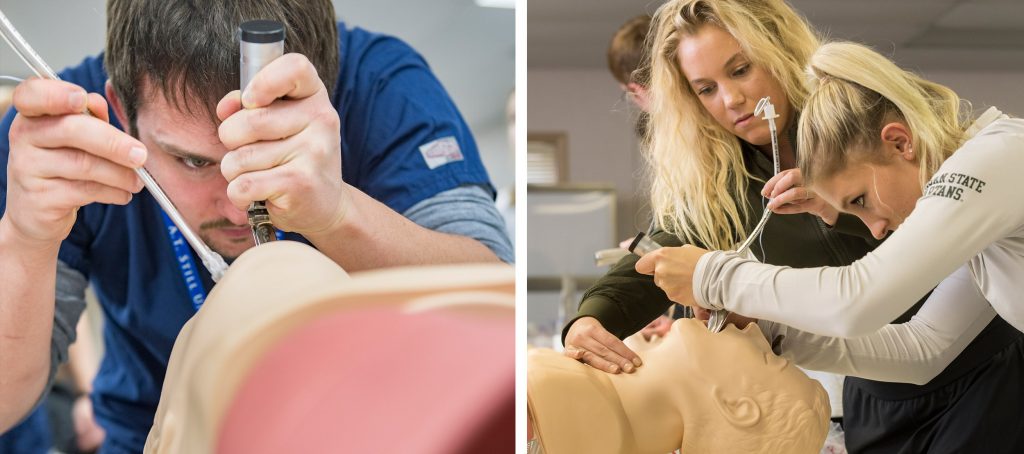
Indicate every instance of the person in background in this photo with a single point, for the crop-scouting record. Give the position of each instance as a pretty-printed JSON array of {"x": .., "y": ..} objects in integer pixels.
[{"x": 627, "y": 61}]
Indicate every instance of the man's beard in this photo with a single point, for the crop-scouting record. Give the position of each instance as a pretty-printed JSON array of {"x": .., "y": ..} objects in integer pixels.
[{"x": 205, "y": 227}]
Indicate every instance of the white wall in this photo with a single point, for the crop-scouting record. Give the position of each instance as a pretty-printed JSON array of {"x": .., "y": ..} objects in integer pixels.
[
  {"x": 1003, "y": 89},
  {"x": 493, "y": 141},
  {"x": 588, "y": 105}
]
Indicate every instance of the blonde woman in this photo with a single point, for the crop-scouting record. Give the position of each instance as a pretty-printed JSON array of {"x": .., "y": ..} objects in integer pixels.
[
  {"x": 711, "y": 61},
  {"x": 889, "y": 147}
]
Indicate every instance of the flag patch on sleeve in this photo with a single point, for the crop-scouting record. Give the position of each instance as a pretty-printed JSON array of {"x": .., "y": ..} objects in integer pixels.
[{"x": 441, "y": 151}]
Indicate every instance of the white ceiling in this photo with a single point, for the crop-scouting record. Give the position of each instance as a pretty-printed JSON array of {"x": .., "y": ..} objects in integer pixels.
[
  {"x": 922, "y": 34},
  {"x": 470, "y": 48}
]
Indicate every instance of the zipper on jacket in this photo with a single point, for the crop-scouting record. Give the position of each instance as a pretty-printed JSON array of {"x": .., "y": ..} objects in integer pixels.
[{"x": 839, "y": 253}]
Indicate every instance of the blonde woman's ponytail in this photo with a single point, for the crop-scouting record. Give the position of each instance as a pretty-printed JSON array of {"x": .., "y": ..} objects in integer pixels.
[{"x": 854, "y": 92}]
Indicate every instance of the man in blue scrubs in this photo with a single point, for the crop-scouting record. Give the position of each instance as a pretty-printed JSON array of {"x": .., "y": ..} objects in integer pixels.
[{"x": 349, "y": 137}]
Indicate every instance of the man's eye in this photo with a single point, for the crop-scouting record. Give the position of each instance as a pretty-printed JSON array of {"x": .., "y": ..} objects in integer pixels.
[
  {"x": 195, "y": 163},
  {"x": 859, "y": 201}
]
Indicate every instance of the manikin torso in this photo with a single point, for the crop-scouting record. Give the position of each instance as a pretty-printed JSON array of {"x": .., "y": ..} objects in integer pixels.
[
  {"x": 576, "y": 408},
  {"x": 697, "y": 391}
]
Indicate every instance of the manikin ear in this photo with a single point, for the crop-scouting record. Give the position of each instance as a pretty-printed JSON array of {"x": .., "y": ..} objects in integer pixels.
[
  {"x": 638, "y": 94},
  {"x": 740, "y": 411},
  {"x": 897, "y": 139},
  {"x": 117, "y": 107}
]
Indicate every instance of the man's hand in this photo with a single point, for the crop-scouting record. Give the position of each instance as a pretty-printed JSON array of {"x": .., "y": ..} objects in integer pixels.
[
  {"x": 88, "y": 434},
  {"x": 673, "y": 268},
  {"x": 589, "y": 342},
  {"x": 61, "y": 160},
  {"x": 285, "y": 147},
  {"x": 789, "y": 196}
]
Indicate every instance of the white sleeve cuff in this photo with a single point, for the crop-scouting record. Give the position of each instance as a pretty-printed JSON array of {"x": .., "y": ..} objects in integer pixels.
[{"x": 699, "y": 285}]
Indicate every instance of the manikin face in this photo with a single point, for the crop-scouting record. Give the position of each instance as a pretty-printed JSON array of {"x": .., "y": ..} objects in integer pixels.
[
  {"x": 184, "y": 158},
  {"x": 881, "y": 194},
  {"x": 730, "y": 389},
  {"x": 689, "y": 345},
  {"x": 729, "y": 84}
]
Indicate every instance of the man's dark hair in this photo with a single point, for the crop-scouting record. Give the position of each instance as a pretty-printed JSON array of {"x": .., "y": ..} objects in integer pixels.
[
  {"x": 629, "y": 61},
  {"x": 188, "y": 49},
  {"x": 627, "y": 56}
]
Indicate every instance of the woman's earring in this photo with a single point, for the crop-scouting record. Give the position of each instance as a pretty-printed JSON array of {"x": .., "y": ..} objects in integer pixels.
[{"x": 908, "y": 152}]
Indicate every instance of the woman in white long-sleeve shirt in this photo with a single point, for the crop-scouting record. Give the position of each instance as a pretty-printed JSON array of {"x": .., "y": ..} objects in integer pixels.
[{"x": 885, "y": 145}]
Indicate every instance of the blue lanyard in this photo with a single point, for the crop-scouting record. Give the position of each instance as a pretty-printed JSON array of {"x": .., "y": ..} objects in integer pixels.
[
  {"x": 183, "y": 255},
  {"x": 189, "y": 271}
]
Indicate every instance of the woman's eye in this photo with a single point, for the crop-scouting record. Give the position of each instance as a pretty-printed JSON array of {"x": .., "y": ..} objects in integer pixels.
[
  {"x": 859, "y": 201},
  {"x": 704, "y": 90},
  {"x": 195, "y": 163},
  {"x": 741, "y": 70}
]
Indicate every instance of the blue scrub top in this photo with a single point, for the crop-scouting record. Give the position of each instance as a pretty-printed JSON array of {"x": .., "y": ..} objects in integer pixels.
[
  {"x": 31, "y": 436},
  {"x": 402, "y": 141}
]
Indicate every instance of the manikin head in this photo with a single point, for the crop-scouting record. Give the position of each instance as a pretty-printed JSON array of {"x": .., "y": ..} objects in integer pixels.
[
  {"x": 711, "y": 62},
  {"x": 699, "y": 391},
  {"x": 169, "y": 65},
  {"x": 733, "y": 387},
  {"x": 872, "y": 134}
]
